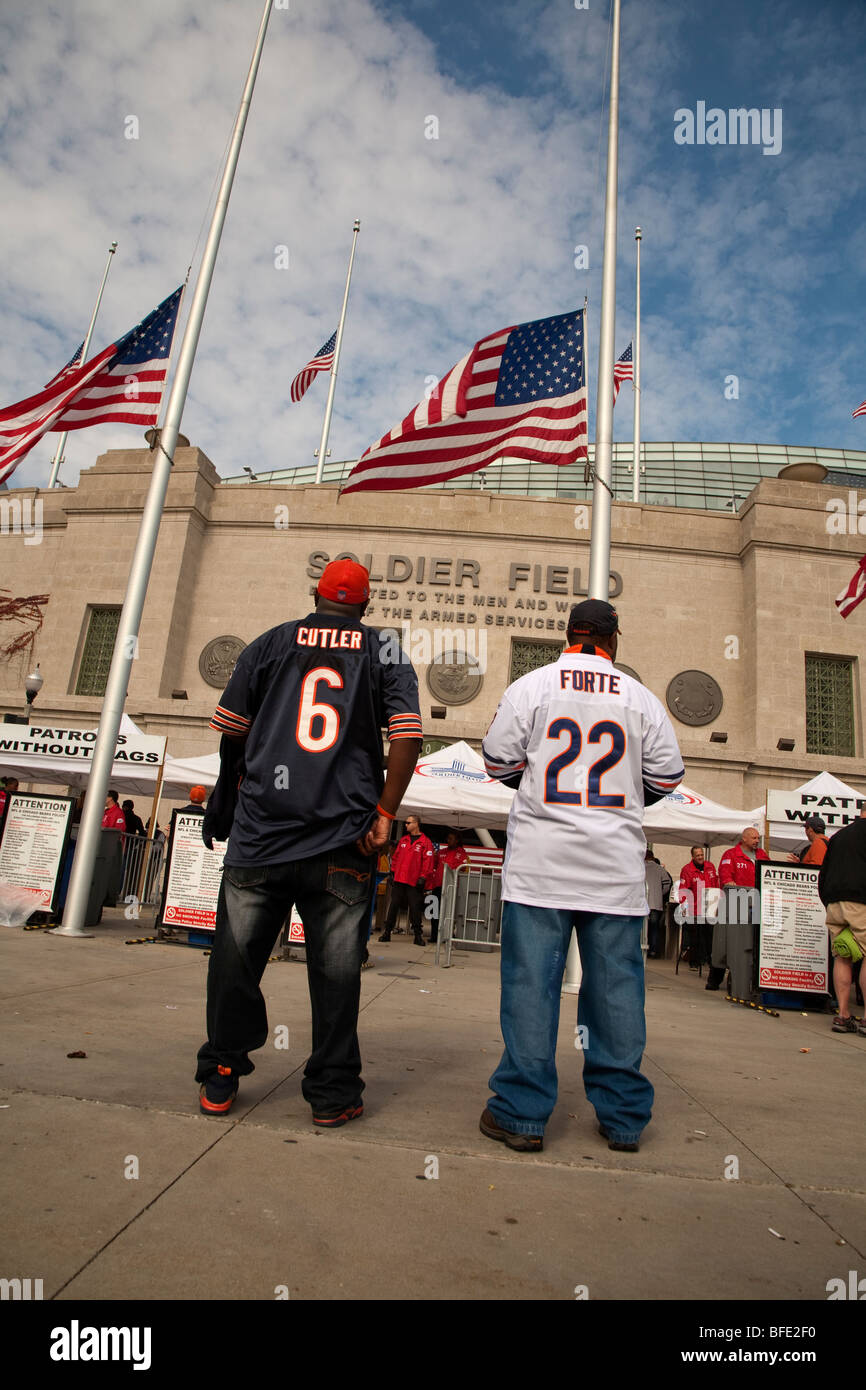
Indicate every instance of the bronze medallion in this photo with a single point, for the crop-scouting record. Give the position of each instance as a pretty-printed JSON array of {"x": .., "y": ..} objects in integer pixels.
[
  {"x": 218, "y": 660},
  {"x": 694, "y": 697},
  {"x": 454, "y": 678}
]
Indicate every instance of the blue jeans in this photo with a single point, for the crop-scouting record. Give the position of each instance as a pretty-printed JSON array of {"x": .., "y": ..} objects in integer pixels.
[
  {"x": 332, "y": 892},
  {"x": 610, "y": 1015}
]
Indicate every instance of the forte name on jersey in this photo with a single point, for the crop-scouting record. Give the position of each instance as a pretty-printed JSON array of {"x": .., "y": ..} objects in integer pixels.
[{"x": 590, "y": 682}]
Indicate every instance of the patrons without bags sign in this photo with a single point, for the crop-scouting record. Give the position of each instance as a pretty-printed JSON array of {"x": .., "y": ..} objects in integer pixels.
[
  {"x": 793, "y": 945},
  {"x": 192, "y": 881}
]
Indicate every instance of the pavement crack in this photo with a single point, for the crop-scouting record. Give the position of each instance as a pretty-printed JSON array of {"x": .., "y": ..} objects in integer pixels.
[{"x": 132, "y": 1220}]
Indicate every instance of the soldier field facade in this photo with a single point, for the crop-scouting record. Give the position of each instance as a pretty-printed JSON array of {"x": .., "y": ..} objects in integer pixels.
[{"x": 728, "y": 616}]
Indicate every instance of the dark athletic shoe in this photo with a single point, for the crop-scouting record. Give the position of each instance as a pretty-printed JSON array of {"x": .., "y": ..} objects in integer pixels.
[
  {"x": 217, "y": 1095},
  {"x": 333, "y": 1119},
  {"x": 523, "y": 1143},
  {"x": 617, "y": 1144},
  {"x": 844, "y": 1025}
]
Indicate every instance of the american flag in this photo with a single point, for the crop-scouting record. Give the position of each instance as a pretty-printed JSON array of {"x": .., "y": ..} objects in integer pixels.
[
  {"x": 520, "y": 392},
  {"x": 121, "y": 385},
  {"x": 322, "y": 362},
  {"x": 855, "y": 593},
  {"x": 74, "y": 361},
  {"x": 861, "y": 410},
  {"x": 623, "y": 370}
]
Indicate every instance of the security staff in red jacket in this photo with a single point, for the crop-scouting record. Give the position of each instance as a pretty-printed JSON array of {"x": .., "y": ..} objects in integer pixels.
[
  {"x": 410, "y": 865},
  {"x": 736, "y": 870},
  {"x": 696, "y": 878},
  {"x": 451, "y": 854}
]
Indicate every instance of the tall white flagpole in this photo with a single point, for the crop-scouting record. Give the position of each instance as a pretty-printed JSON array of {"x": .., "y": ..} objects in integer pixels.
[
  {"x": 599, "y": 548},
  {"x": 126, "y": 645},
  {"x": 332, "y": 383},
  {"x": 61, "y": 443},
  {"x": 636, "y": 480}
]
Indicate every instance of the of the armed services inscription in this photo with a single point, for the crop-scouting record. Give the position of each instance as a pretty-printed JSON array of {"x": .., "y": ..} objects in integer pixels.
[{"x": 694, "y": 697}]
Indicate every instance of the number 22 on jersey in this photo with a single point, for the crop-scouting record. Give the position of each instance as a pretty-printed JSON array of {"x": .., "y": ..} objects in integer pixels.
[{"x": 603, "y": 729}]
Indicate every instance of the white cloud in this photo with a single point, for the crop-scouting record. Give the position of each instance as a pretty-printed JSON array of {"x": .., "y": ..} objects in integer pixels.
[{"x": 459, "y": 235}]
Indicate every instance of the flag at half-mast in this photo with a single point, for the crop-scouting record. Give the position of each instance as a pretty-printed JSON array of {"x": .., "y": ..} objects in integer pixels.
[
  {"x": 520, "y": 392},
  {"x": 623, "y": 370},
  {"x": 855, "y": 593},
  {"x": 123, "y": 384},
  {"x": 322, "y": 362}
]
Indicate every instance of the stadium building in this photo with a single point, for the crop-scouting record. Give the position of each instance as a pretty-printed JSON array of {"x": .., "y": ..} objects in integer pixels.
[{"x": 724, "y": 576}]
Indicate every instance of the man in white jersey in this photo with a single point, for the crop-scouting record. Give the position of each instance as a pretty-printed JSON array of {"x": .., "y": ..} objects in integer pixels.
[{"x": 592, "y": 747}]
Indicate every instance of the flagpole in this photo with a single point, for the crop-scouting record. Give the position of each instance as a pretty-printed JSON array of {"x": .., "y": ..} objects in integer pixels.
[
  {"x": 599, "y": 552},
  {"x": 636, "y": 480},
  {"x": 332, "y": 384},
  {"x": 61, "y": 443},
  {"x": 126, "y": 645}
]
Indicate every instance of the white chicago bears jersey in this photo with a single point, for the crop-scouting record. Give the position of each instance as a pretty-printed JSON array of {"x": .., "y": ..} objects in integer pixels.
[{"x": 593, "y": 746}]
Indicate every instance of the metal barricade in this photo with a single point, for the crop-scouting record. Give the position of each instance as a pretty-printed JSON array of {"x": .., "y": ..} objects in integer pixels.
[
  {"x": 470, "y": 914},
  {"x": 142, "y": 869}
]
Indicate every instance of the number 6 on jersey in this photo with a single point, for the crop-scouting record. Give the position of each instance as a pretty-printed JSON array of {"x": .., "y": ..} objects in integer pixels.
[{"x": 309, "y": 711}]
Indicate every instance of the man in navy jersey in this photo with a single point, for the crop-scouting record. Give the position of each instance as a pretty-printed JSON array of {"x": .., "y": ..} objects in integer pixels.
[
  {"x": 592, "y": 747},
  {"x": 310, "y": 699}
]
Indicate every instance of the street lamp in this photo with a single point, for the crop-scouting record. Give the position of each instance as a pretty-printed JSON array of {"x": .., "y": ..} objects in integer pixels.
[{"x": 32, "y": 686}]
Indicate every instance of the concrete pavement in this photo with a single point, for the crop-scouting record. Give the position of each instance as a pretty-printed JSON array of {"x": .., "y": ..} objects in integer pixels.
[{"x": 749, "y": 1182}]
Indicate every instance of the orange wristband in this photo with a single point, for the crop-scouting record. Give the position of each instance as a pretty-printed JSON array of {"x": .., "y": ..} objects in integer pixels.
[{"x": 383, "y": 812}]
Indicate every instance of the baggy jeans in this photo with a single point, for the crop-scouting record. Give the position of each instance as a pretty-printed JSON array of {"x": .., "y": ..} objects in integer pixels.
[
  {"x": 610, "y": 1016},
  {"x": 332, "y": 892}
]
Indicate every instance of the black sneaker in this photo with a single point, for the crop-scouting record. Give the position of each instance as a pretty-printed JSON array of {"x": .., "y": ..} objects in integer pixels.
[
  {"x": 333, "y": 1119},
  {"x": 419, "y": 941},
  {"x": 523, "y": 1143},
  {"x": 386, "y": 936},
  {"x": 618, "y": 1144},
  {"x": 217, "y": 1094}
]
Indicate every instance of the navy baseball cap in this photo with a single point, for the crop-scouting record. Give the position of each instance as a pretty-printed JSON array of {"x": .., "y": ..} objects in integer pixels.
[
  {"x": 815, "y": 823},
  {"x": 593, "y": 615}
]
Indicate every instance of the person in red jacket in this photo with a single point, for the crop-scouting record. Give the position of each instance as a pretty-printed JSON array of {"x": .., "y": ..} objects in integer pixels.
[
  {"x": 736, "y": 870},
  {"x": 113, "y": 817},
  {"x": 410, "y": 866},
  {"x": 695, "y": 878},
  {"x": 453, "y": 854}
]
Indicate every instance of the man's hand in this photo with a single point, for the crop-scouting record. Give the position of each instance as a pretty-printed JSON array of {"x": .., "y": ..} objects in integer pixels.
[{"x": 376, "y": 837}]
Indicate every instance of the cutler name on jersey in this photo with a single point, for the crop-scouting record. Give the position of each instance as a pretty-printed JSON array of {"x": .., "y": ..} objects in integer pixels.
[{"x": 594, "y": 746}]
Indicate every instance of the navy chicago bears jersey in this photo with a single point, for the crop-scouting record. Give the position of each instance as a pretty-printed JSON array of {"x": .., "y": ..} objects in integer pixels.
[
  {"x": 593, "y": 746},
  {"x": 311, "y": 698}
]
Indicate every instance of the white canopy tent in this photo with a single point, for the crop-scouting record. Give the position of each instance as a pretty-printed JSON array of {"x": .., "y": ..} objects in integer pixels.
[
  {"x": 451, "y": 787},
  {"x": 825, "y": 791},
  {"x": 58, "y": 770},
  {"x": 127, "y": 778},
  {"x": 686, "y": 818}
]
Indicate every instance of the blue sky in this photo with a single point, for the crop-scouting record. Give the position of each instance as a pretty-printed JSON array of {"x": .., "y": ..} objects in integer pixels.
[{"x": 753, "y": 265}]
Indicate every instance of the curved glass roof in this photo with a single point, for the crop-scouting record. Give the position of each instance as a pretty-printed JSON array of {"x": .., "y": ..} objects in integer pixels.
[{"x": 706, "y": 476}]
